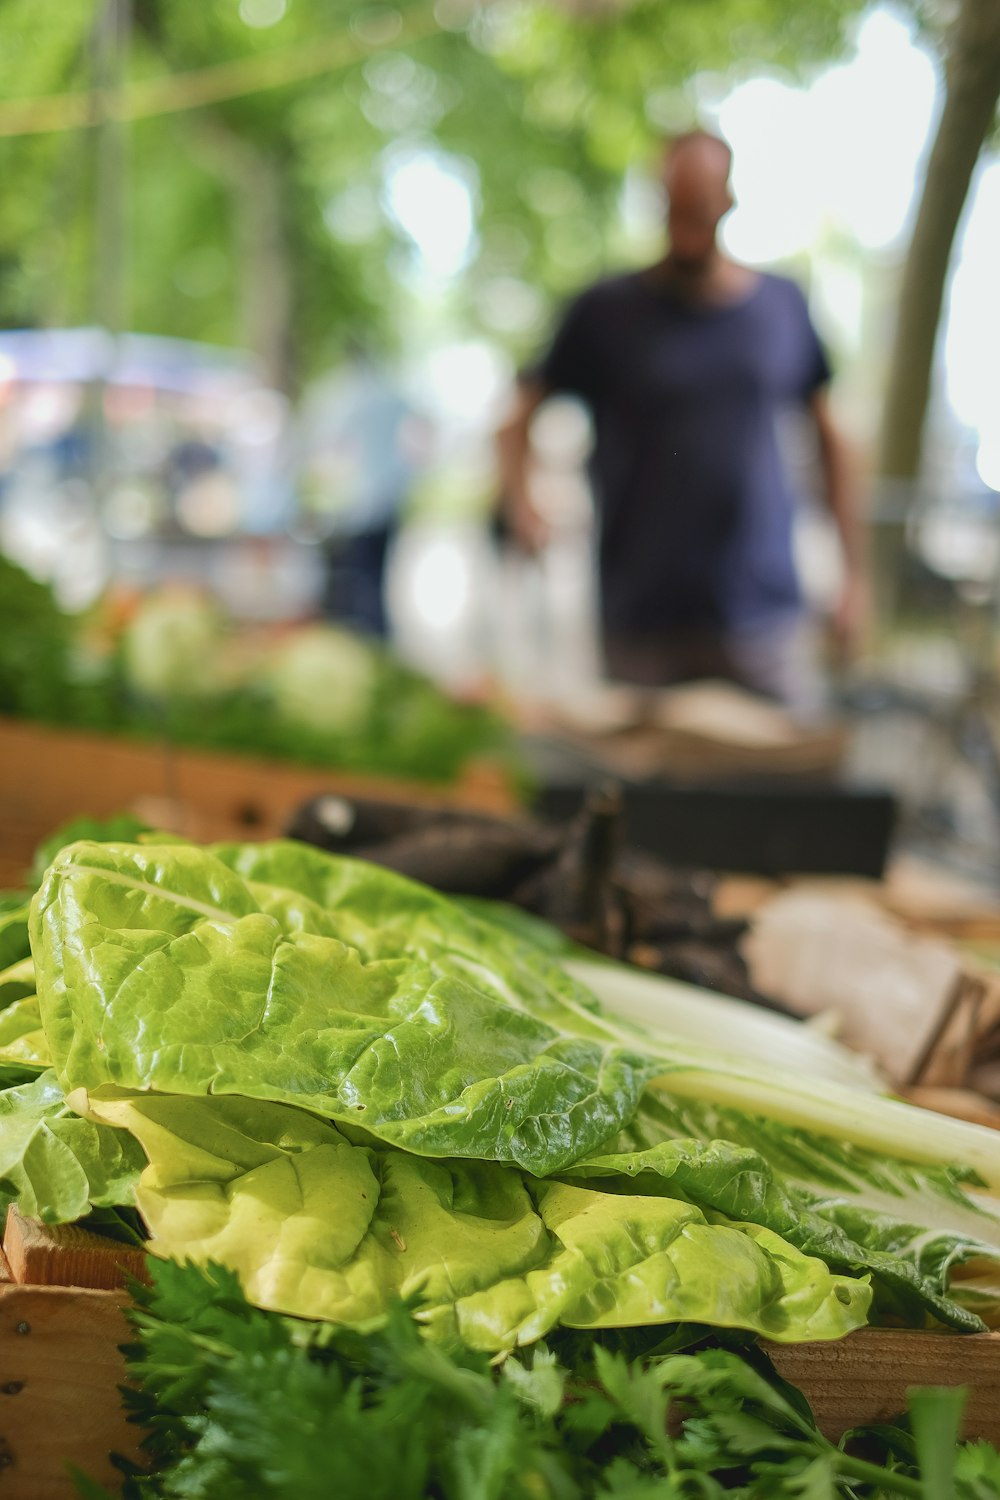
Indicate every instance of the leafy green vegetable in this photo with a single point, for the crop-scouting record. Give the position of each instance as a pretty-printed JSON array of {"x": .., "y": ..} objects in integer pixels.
[
  {"x": 189, "y": 924},
  {"x": 22, "y": 1040},
  {"x": 168, "y": 678},
  {"x": 34, "y": 645},
  {"x": 910, "y": 1226},
  {"x": 977, "y": 1471},
  {"x": 275, "y": 972},
  {"x": 54, "y": 1165},
  {"x": 160, "y": 967},
  {"x": 323, "y": 678},
  {"x": 321, "y": 1227},
  {"x": 16, "y": 981},
  {"x": 170, "y": 647},
  {"x": 15, "y": 943},
  {"x": 239, "y": 1403}
]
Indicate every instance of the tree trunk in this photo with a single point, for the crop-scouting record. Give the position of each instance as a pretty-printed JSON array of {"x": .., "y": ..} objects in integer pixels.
[
  {"x": 972, "y": 87},
  {"x": 255, "y": 181},
  {"x": 110, "y": 272},
  {"x": 268, "y": 281}
]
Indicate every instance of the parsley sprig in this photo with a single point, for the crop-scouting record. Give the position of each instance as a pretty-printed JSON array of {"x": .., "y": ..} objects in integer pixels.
[{"x": 240, "y": 1403}]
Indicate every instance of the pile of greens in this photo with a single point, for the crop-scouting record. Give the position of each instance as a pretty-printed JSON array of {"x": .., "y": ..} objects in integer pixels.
[
  {"x": 323, "y": 1093},
  {"x": 35, "y": 639},
  {"x": 238, "y": 1403},
  {"x": 349, "y": 1089},
  {"x": 318, "y": 697}
]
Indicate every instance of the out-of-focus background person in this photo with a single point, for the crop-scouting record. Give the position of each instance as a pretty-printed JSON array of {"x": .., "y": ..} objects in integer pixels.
[
  {"x": 361, "y": 447},
  {"x": 685, "y": 367}
]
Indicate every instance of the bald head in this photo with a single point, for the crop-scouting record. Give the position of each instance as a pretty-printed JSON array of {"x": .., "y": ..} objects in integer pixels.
[{"x": 695, "y": 175}]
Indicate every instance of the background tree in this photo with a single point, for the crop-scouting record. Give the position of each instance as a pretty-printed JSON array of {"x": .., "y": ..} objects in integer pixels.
[
  {"x": 967, "y": 36},
  {"x": 260, "y": 217},
  {"x": 971, "y": 68}
]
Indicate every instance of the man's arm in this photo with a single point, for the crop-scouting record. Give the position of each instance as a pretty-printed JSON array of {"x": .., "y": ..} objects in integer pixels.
[
  {"x": 513, "y": 449},
  {"x": 841, "y": 489}
]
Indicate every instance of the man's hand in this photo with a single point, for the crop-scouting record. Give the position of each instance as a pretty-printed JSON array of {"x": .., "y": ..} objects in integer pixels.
[
  {"x": 513, "y": 447},
  {"x": 842, "y": 488},
  {"x": 528, "y": 527},
  {"x": 851, "y": 617}
]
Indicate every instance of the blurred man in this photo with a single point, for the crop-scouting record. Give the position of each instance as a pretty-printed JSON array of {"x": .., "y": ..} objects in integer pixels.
[
  {"x": 685, "y": 367},
  {"x": 362, "y": 446}
]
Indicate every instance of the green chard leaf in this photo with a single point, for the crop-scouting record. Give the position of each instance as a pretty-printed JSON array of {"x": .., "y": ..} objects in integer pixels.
[
  {"x": 54, "y": 1165},
  {"x": 931, "y": 1250},
  {"x": 278, "y": 973},
  {"x": 319, "y": 1227},
  {"x": 160, "y": 967},
  {"x": 22, "y": 1039},
  {"x": 15, "y": 944},
  {"x": 16, "y": 981}
]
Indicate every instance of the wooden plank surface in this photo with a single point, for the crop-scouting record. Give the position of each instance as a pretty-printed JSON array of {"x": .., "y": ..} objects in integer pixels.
[
  {"x": 60, "y": 1368},
  {"x": 66, "y": 1255},
  {"x": 864, "y": 1377},
  {"x": 50, "y": 775}
]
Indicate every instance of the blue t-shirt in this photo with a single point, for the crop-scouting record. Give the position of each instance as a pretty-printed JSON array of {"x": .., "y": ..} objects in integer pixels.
[{"x": 694, "y": 506}]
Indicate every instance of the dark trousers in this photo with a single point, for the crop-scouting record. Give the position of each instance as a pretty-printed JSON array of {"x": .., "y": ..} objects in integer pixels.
[
  {"x": 767, "y": 659},
  {"x": 354, "y": 588}
]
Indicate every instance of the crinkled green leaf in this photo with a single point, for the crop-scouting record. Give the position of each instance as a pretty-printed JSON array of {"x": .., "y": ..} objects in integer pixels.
[
  {"x": 317, "y": 1226},
  {"x": 16, "y": 981},
  {"x": 14, "y": 941},
  {"x": 910, "y": 1225},
  {"x": 54, "y": 1165},
  {"x": 159, "y": 967},
  {"x": 275, "y": 972},
  {"x": 22, "y": 1040},
  {"x": 384, "y": 915}
]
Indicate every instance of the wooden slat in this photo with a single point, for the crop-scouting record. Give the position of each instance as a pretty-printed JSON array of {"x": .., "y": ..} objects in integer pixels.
[
  {"x": 65, "y": 1255},
  {"x": 864, "y": 1377},
  {"x": 60, "y": 1369},
  {"x": 49, "y": 776}
]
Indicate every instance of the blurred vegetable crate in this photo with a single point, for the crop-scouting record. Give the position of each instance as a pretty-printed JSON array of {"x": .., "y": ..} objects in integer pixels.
[
  {"x": 62, "y": 1319},
  {"x": 49, "y": 776}
]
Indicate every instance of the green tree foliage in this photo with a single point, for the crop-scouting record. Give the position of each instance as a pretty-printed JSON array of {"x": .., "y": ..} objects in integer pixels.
[{"x": 237, "y": 208}]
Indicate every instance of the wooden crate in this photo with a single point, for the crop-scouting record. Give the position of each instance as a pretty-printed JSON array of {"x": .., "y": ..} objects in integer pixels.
[
  {"x": 49, "y": 776},
  {"x": 62, "y": 1321},
  {"x": 864, "y": 1378}
]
